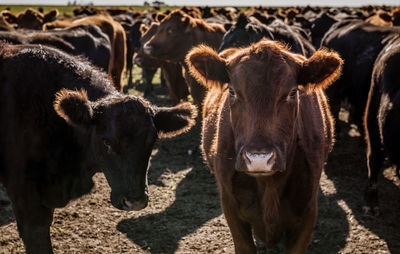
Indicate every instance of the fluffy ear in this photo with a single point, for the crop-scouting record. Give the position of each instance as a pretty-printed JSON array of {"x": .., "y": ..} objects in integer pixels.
[
  {"x": 9, "y": 17},
  {"x": 143, "y": 29},
  {"x": 173, "y": 121},
  {"x": 320, "y": 70},
  {"x": 160, "y": 17},
  {"x": 74, "y": 107},
  {"x": 206, "y": 65},
  {"x": 50, "y": 16}
]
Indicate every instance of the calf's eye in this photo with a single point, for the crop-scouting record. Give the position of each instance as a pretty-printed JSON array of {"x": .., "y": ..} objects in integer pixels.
[{"x": 232, "y": 92}]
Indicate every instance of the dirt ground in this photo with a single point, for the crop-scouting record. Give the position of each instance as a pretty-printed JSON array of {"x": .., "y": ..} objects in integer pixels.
[{"x": 184, "y": 214}]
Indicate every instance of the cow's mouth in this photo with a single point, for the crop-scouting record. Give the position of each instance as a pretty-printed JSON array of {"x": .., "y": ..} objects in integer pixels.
[
  {"x": 260, "y": 173},
  {"x": 135, "y": 205}
]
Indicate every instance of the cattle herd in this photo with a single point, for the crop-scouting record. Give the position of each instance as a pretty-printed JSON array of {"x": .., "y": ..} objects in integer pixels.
[{"x": 267, "y": 85}]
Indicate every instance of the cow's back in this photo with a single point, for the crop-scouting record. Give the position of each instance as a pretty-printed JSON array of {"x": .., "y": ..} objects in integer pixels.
[{"x": 32, "y": 134}]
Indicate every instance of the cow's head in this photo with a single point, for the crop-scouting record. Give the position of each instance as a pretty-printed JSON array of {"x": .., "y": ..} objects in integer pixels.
[
  {"x": 29, "y": 19},
  {"x": 243, "y": 33},
  {"x": 142, "y": 59},
  {"x": 171, "y": 40},
  {"x": 264, "y": 84},
  {"x": 120, "y": 132}
]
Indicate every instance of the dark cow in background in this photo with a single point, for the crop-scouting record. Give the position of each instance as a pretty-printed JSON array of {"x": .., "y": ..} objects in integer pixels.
[
  {"x": 133, "y": 35},
  {"x": 85, "y": 40},
  {"x": 29, "y": 19},
  {"x": 116, "y": 35},
  {"x": 246, "y": 32},
  {"x": 382, "y": 119},
  {"x": 359, "y": 44},
  {"x": 62, "y": 120},
  {"x": 176, "y": 35},
  {"x": 267, "y": 131}
]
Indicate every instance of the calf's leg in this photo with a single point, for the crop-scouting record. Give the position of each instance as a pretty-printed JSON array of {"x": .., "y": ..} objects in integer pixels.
[
  {"x": 240, "y": 230},
  {"x": 33, "y": 220},
  {"x": 299, "y": 236}
]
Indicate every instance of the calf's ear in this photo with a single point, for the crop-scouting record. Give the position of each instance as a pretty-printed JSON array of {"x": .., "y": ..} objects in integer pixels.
[
  {"x": 143, "y": 29},
  {"x": 9, "y": 17},
  {"x": 74, "y": 107},
  {"x": 320, "y": 70},
  {"x": 160, "y": 17},
  {"x": 173, "y": 121},
  {"x": 207, "y": 66}
]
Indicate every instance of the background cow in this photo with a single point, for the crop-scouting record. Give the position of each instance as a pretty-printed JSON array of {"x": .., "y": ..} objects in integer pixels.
[
  {"x": 116, "y": 35},
  {"x": 382, "y": 119},
  {"x": 267, "y": 131},
  {"x": 62, "y": 122},
  {"x": 175, "y": 36}
]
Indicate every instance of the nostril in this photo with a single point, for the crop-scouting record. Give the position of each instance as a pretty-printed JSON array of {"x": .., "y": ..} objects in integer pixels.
[{"x": 260, "y": 161}]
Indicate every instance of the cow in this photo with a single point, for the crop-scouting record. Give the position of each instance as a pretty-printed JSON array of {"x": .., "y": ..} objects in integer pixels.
[
  {"x": 382, "y": 120},
  {"x": 171, "y": 71},
  {"x": 84, "y": 40},
  {"x": 63, "y": 120},
  {"x": 175, "y": 36},
  {"x": 29, "y": 19},
  {"x": 116, "y": 35},
  {"x": 133, "y": 35},
  {"x": 266, "y": 134},
  {"x": 247, "y": 31},
  {"x": 349, "y": 39}
]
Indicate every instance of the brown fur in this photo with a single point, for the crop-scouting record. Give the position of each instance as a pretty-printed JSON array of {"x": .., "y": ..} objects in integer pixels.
[
  {"x": 283, "y": 204},
  {"x": 116, "y": 35},
  {"x": 29, "y": 19},
  {"x": 180, "y": 29},
  {"x": 381, "y": 18}
]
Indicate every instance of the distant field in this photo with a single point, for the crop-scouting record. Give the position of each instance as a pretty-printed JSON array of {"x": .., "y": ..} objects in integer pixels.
[{"x": 68, "y": 9}]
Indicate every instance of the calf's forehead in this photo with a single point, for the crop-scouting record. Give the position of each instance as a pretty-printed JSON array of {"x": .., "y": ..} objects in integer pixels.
[{"x": 263, "y": 74}]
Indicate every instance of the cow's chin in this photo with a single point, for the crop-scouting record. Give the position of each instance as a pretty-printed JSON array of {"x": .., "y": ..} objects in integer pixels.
[{"x": 260, "y": 173}]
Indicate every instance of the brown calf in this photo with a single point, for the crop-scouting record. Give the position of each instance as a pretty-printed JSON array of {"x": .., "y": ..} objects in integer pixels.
[
  {"x": 267, "y": 131},
  {"x": 115, "y": 33},
  {"x": 176, "y": 35},
  {"x": 171, "y": 71}
]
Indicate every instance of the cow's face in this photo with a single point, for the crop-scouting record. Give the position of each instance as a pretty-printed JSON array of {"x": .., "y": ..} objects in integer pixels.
[
  {"x": 30, "y": 19},
  {"x": 171, "y": 40},
  {"x": 265, "y": 83},
  {"x": 141, "y": 58},
  {"x": 121, "y": 132}
]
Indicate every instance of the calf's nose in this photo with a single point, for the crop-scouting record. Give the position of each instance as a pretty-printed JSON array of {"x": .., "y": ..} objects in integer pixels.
[{"x": 259, "y": 162}]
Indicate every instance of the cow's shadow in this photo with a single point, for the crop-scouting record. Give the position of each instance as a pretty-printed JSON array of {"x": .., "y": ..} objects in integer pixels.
[
  {"x": 347, "y": 169},
  {"x": 196, "y": 200}
]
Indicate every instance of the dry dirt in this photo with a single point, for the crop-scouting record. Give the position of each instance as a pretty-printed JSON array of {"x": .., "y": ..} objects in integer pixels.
[{"x": 184, "y": 214}]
